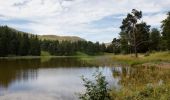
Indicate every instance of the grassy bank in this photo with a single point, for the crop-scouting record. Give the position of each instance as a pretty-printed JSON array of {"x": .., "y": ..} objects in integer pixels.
[
  {"x": 160, "y": 59},
  {"x": 153, "y": 59},
  {"x": 136, "y": 83},
  {"x": 142, "y": 83},
  {"x": 44, "y": 54},
  {"x": 148, "y": 92}
]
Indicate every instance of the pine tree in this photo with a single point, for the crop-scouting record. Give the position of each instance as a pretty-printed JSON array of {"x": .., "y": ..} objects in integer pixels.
[
  {"x": 166, "y": 30},
  {"x": 155, "y": 39}
]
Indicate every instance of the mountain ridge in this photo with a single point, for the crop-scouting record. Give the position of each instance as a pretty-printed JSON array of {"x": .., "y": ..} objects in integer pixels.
[
  {"x": 50, "y": 37},
  {"x": 61, "y": 38}
]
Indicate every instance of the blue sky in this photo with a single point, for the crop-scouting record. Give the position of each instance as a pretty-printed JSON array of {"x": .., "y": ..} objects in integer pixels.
[{"x": 94, "y": 20}]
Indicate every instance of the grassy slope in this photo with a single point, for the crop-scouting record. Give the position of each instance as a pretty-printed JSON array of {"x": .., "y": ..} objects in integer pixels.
[
  {"x": 154, "y": 58},
  {"x": 61, "y": 38}
]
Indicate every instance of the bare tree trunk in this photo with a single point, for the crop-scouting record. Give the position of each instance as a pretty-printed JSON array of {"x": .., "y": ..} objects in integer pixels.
[
  {"x": 135, "y": 46},
  {"x": 130, "y": 48},
  {"x": 136, "y": 53},
  {"x": 135, "y": 43}
]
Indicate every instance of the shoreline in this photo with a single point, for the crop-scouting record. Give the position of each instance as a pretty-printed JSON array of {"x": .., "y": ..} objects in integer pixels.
[{"x": 158, "y": 59}]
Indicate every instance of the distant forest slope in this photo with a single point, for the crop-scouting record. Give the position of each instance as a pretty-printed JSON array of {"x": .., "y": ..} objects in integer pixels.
[
  {"x": 52, "y": 37},
  {"x": 17, "y": 43},
  {"x": 61, "y": 38}
]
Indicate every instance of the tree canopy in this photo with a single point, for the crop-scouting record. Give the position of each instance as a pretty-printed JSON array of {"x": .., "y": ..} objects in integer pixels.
[{"x": 166, "y": 30}]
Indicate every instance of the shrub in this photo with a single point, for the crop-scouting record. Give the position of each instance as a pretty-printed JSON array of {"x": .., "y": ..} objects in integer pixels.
[{"x": 97, "y": 90}]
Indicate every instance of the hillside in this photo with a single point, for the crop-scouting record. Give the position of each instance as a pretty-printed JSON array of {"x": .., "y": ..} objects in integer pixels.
[
  {"x": 61, "y": 38},
  {"x": 50, "y": 37}
]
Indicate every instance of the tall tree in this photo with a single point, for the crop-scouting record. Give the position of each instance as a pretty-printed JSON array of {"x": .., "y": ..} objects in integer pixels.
[
  {"x": 142, "y": 37},
  {"x": 130, "y": 26},
  {"x": 13, "y": 45},
  {"x": 34, "y": 45},
  {"x": 155, "y": 39},
  {"x": 166, "y": 30},
  {"x": 124, "y": 44},
  {"x": 116, "y": 45},
  {"x": 102, "y": 47},
  {"x": 24, "y": 45},
  {"x": 3, "y": 44}
]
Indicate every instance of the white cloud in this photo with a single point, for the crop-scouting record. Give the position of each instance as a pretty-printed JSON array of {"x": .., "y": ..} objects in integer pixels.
[
  {"x": 155, "y": 20},
  {"x": 74, "y": 17}
]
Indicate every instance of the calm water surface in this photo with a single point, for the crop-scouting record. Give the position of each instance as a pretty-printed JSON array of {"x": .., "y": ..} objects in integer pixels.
[
  {"x": 59, "y": 78},
  {"x": 51, "y": 79}
]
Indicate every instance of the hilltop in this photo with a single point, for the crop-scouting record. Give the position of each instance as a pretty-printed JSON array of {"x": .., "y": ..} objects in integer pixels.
[
  {"x": 61, "y": 38},
  {"x": 50, "y": 37}
]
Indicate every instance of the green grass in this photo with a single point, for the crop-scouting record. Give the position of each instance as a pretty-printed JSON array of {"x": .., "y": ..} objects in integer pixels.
[
  {"x": 45, "y": 53},
  {"x": 152, "y": 58},
  {"x": 159, "y": 56},
  {"x": 109, "y": 59},
  {"x": 81, "y": 54},
  {"x": 148, "y": 92},
  {"x": 143, "y": 83}
]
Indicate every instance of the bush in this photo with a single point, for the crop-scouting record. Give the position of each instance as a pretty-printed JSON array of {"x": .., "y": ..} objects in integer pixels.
[{"x": 97, "y": 90}]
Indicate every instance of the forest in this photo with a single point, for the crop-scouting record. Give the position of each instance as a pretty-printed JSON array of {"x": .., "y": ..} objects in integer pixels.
[
  {"x": 136, "y": 36},
  {"x": 15, "y": 43}
]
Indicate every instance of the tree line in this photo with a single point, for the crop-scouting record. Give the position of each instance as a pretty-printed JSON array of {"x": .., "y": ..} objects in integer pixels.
[
  {"x": 136, "y": 36},
  {"x": 15, "y": 43},
  {"x": 67, "y": 48}
]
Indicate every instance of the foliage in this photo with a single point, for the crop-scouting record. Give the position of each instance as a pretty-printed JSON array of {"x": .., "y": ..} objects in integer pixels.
[
  {"x": 114, "y": 47},
  {"x": 166, "y": 30},
  {"x": 97, "y": 90},
  {"x": 66, "y": 48},
  {"x": 155, "y": 39},
  {"x": 135, "y": 37},
  {"x": 134, "y": 33},
  {"x": 142, "y": 37},
  {"x": 124, "y": 46},
  {"x": 17, "y": 43}
]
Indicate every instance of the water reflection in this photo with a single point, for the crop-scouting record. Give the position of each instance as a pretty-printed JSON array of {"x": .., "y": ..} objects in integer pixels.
[
  {"x": 57, "y": 78},
  {"x": 139, "y": 76},
  {"x": 12, "y": 70}
]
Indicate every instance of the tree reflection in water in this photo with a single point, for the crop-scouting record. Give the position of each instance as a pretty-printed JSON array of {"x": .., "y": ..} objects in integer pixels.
[{"x": 12, "y": 70}]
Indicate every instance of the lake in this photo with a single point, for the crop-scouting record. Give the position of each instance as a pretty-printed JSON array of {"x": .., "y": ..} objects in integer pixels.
[
  {"x": 60, "y": 78},
  {"x": 54, "y": 79}
]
